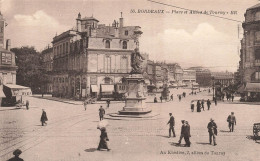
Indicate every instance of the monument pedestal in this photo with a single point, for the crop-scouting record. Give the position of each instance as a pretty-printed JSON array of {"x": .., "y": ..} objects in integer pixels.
[{"x": 136, "y": 95}]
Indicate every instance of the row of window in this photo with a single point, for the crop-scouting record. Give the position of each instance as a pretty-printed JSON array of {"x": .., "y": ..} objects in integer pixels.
[
  {"x": 60, "y": 80},
  {"x": 107, "y": 44},
  {"x": 61, "y": 49}
]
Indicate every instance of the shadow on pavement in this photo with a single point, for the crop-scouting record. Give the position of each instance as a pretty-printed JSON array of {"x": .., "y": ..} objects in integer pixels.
[
  {"x": 203, "y": 143},
  {"x": 177, "y": 144},
  {"x": 251, "y": 137},
  {"x": 90, "y": 150},
  {"x": 163, "y": 136},
  {"x": 224, "y": 131}
]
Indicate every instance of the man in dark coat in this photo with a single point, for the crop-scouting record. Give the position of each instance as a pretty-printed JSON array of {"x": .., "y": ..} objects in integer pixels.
[
  {"x": 161, "y": 98},
  {"x": 183, "y": 122},
  {"x": 232, "y": 97},
  {"x": 231, "y": 121},
  {"x": 215, "y": 100},
  {"x": 27, "y": 104},
  {"x": 179, "y": 97},
  {"x": 101, "y": 113},
  {"x": 172, "y": 123},
  {"x": 172, "y": 97},
  {"x": 44, "y": 117},
  {"x": 16, "y": 154},
  {"x": 108, "y": 103},
  {"x": 155, "y": 100},
  {"x": 212, "y": 129},
  {"x": 103, "y": 140},
  {"x": 185, "y": 131},
  {"x": 202, "y": 105},
  {"x": 208, "y": 104},
  {"x": 198, "y": 106}
]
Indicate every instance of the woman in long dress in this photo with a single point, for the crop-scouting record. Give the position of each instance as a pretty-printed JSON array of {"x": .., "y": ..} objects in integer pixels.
[{"x": 103, "y": 140}]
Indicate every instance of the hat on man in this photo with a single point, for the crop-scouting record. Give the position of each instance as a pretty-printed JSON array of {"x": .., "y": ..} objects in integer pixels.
[
  {"x": 232, "y": 112},
  {"x": 17, "y": 152},
  {"x": 182, "y": 121},
  {"x": 211, "y": 119}
]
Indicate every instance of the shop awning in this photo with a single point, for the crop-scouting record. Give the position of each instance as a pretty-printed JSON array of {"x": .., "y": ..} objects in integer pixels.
[
  {"x": 252, "y": 87},
  {"x": 195, "y": 84},
  {"x": 94, "y": 88},
  {"x": 17, "y": 90},
  {"x": 107, "y": 88}
]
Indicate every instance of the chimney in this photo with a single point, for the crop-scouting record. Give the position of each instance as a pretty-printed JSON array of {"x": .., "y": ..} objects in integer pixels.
[
  {"x": 8, "y": 44},
  {"x": 121, "y": 21},
  {"x": 79, "y": 23}
]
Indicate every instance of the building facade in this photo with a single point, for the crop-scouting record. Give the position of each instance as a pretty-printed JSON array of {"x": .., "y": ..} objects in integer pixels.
[
  {"x": 189, "y": 77},
  {"x": 203, "y": 76},
  {"x": 7, "y": 63},
  {"x": 249, "y": 65},
  {"x": 92, "y": 58},
  {"x": 47, "y": 58},
  {"x": 223, "y": 78}
]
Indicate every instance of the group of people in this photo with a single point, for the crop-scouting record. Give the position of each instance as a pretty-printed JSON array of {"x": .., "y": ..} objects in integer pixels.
[
  {"x": 185, "y": 130},
  {"x": 200, "y": 105},
  {"x": 212, "y": 129}
]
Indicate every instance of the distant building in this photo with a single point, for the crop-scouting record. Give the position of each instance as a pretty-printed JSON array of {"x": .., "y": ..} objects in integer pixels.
[
  {"x": 223, "y": 78},
  {"x": 91, "y": 59},
  {"x": 249, "y": 65},
  {"x": 189, "y": 77},
  {"x": 203, "y": 76}
]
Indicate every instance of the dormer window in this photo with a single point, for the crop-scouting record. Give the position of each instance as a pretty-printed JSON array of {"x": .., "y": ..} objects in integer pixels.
[{"x": 126, "y": 32}]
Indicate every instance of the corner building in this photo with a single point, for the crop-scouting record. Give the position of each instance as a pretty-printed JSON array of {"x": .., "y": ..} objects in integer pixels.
[
  {"x": 91, "y": 59},
  {"x": 249, "y": 65}
]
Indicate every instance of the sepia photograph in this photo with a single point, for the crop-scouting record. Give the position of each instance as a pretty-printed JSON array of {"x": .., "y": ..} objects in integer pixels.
[{"x": 129, "y": 80}]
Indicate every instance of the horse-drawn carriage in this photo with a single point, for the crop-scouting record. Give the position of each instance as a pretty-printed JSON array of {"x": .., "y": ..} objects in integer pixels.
[{"x": 256, "y": 130}]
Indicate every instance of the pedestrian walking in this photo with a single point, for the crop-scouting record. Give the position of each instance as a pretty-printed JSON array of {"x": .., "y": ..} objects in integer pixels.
[
  {"x": 186, "y": 133},
  {"x": 108, "y": 103},
  {"x": 208, "y": 104},
  {"x": 215, "y": 100},
  {"x": 155, "y": 100},
  {"x": 16, "y": 154},
  {"x": 27, "y": 104},
  {"x": 232, "y": 97},
  {"x": 202, "y": 104},
  {"x": 85, "y": 104},
  {"x": 103, "y": 140},
  {"x": 171, "y": 127},
  {"x": 161, "y": 98},
  {"x": 212, "y": 129},
  {"x": 183, "y": 122},
  {"x": 231, "y": 121},
  {"x": 192, "y": 106},
  {"x": 44, "y": 117},
  {"x": 101, "y": 113},
  {"x": 172, "y": 97},
  {"x": 198, "y": 106},
  {"x": 179, "y": 97}
]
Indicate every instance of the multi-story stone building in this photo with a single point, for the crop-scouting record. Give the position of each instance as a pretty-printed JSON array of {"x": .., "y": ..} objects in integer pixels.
[
  {"x": 93, "y": 57},
  {"x": 249, "y": 65},
  {"x": 47, "y": 58},
  {"x": 224, "y": 78},
  {"x": 203, "y": 76},
  {"x": 189, "y": 77}
]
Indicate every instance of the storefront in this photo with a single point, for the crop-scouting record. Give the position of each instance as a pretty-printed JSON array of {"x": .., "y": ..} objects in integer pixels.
[
  {"x": 94, "y": 91},
  {"x": 252, "y": 92},
  {"x": 107, "y": 91},
  {"x": 14, "y": 93}
]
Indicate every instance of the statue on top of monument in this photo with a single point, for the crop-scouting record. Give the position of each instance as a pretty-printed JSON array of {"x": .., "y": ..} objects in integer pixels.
[{"x": 136, "y": 60}]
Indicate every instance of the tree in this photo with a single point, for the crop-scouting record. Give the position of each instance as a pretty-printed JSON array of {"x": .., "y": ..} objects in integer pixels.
[{"x": 30, "y": 72}]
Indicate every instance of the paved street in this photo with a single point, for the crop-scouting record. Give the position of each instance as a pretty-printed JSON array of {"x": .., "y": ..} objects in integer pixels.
[{"x": 72, "y": 134}]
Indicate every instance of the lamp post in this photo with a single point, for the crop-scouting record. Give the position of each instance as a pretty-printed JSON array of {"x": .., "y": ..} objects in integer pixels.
[{"x": 213, "y": 87}]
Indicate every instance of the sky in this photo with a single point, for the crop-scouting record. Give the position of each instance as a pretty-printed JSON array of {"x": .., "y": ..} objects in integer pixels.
[{"x": 187, "y": 39}]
